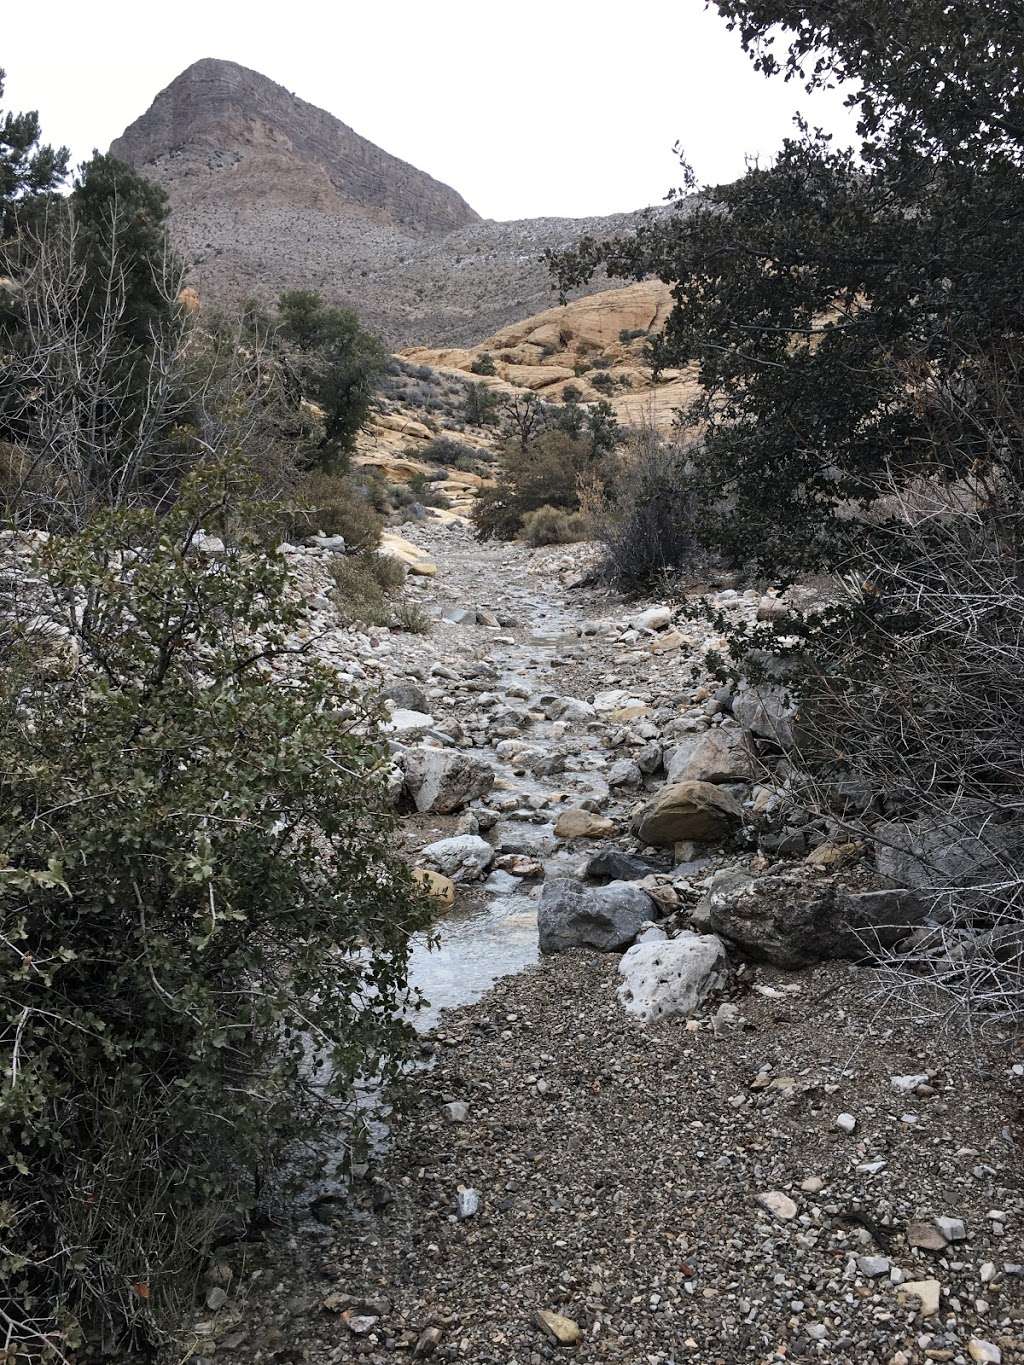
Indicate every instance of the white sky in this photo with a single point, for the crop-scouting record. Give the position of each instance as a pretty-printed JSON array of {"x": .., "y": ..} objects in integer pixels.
[{"x": 527, "y": 108}]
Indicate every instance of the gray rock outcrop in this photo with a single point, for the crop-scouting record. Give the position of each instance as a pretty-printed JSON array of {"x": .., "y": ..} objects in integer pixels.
[
  {"x": 608, "y": 918},
  {"x": 441, "y": 781}
]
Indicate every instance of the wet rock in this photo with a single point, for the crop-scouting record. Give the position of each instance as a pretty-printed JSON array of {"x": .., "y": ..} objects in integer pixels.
[
  {"x": 406, "y": 724},
  {"x": 462, "y": 853},
  {"x": 583, "y": 824},
  {"x": 436, "y": 883},
  {"x": 674, "y": 977},
  {"x": 608, "y": 918},
  {"x": 569, "y": 709},
  {"x": 520, "y": 865},
  {"x": 625, "y": 773},
  {"x": 443, "y": 780},
  {"x": 620, "y": 867},
  {"x": 720, "y": 755},
  {"x": 792, "y": 924},
  {"x": 688, "y": 810}
]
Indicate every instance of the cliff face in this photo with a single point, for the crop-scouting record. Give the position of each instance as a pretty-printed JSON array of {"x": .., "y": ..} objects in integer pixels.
[{"x": 222, "y": 131}]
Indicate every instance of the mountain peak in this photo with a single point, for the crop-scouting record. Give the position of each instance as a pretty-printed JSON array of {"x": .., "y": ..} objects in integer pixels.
[{"x": 226, "y": 131}]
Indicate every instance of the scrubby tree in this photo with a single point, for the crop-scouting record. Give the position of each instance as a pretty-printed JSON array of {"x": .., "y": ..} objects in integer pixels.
[
  {"x": 121, "y": 244},
  {"x": 337, "y": 364},
  {"x": 823, "y": 296}
]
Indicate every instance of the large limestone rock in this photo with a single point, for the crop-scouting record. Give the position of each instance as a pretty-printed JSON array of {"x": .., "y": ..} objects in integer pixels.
[
  {"x": 721, "y": 755},
  {"x": 671, "y": 978},
  {"x": 768, "y": 710},
  {"x": 698, "y": 811},
  {"x": 441, "y": 781},
  {"x": 608, "y": 918},
  {"x": 463, "y": 855},
  {"x": 793, "y": 923}
]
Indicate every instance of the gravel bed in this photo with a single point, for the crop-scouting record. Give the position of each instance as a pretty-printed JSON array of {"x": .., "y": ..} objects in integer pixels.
[{"x": 676, "y": 1192}]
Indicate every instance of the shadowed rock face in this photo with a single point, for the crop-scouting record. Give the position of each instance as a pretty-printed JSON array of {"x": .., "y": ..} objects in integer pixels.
[
  {"x": 269, "y": 193},
  {"x": 236, "y": 130}
]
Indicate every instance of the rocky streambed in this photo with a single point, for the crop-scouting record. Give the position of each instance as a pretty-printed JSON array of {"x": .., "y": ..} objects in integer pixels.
[{"x": 679, "y": 1150}]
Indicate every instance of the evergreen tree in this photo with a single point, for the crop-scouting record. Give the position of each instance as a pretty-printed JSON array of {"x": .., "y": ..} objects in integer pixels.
[
  {"x": 30, "y": 171},
  {"x": 337, "y": 364}
]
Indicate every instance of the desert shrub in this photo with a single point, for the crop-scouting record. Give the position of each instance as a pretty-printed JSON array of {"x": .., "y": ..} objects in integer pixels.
[
  {"x": 483, "y": 364},
  {"x": 604, "y": 383},
  {"x": 571, "y": 394},
  {"x": 650, "y": 518},
  {"x": 545, "y": 473},
  {"x": 445, "y": 450},
  {"x": 338, "y": 364},
  {"x": 632, "y": 334},
  {"x": 364, "y": 585},
  {"x": 551, "y": 526},
  {"x": 203, "y": 923},
  {"x": 410, "y": 617},
  {"x": 334, "y": 504}
]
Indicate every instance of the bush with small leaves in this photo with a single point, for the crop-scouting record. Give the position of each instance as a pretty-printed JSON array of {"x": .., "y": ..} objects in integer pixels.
[
  {"x": 483, "y": 364},
  {"x": 204, "y": 923}
]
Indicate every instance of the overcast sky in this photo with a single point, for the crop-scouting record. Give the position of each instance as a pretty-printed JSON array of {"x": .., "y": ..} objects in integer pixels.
[{"x": 528, "y": 108}]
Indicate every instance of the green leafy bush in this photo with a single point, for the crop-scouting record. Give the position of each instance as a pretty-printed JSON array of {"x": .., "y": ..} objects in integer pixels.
[
  {"x": 483, "y": 364},
  {"x": 480, "y": 408},
  {"x": 203, "y": 924}
]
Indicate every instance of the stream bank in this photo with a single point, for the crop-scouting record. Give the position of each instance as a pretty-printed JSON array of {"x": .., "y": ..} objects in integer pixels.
[{"x": 684, "y": 1190}]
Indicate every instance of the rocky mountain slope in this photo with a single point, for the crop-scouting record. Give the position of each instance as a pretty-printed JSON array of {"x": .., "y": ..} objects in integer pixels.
[{"x": 268, "y": 193}]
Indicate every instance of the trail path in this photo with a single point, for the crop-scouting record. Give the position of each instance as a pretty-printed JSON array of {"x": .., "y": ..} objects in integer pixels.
[{"x": 678, "y": 1192}]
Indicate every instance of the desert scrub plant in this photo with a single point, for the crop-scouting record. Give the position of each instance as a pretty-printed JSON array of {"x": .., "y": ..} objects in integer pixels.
[
  {"x": 364, "y": 585},
  {"x": 331, "y": 504},
  {"x": 483, "y": 364},
  {"x": 204, "y": 925},
  {"x": 553, "y": 526},
  {"x": 480, "y": 408},
  {"x": 649, "y": 520},
  {"x": 410, "y": 617}
]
